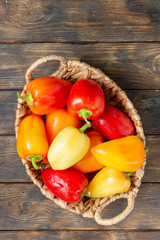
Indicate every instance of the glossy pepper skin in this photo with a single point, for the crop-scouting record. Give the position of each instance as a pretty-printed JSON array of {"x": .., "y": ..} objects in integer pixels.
[
  {"x": 113, "y": 124},
  {"x": 89, "y": 163},
  {"x": 107, "y": 182},
  {"x": 69, "y": 185},
  {"x": 86, "y": 94},
  {"x": 45, "y": 94},
  {"x": 32, "y": 142},
  {"x": 68, "y": 147},
  {"x": 57, "y": 120},
  {"x": 125, "y": 154}
]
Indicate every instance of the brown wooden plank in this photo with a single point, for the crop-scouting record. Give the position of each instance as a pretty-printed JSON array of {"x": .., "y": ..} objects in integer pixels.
[
  {"x": 153, "y": 163},
  {"x": 78, "y": 235},
  {"x": 8, "y": 104},
  {"x": 61, "y": 21},
  {"x": 12, "y": 170},
  {"x": 131, "y": 66},
  {"x": 146, "y": 102},
  {"x": 23, "y": 207}
]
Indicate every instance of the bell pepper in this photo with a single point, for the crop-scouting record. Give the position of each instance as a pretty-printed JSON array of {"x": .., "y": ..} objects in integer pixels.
[
  {"x": 57, "y": 120},
  {"x": 69, "y": 185},
  {"x": 87, "y": 95},
  {"x": 125, "y": 154},
  {"x": 45, "y": 94},
  {"x": 89, "y": 163},
  {"x": 32, "y": 142},
  {"x": 113, "y": 124},
  {"x": 107, "y": 182},
  {"x": 68, "y": 147}
]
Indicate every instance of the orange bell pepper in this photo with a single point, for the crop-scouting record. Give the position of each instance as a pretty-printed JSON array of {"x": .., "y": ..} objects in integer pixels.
[
  {"x": 32, "y": 142},
  {"x": 125, "y": 154},
  {"x": 108, "y": 181},
  {"x": 57, "y": 120},
  {"x": 46, "y": 93},
  {"x": 89, "y": 163}
]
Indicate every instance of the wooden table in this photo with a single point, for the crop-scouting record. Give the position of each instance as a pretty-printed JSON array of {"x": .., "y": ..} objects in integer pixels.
[{"x": 120, "y": 37}]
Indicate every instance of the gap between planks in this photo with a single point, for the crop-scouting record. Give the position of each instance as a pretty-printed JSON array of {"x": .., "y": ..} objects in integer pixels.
[
  {"x": 82, "y": 42},
  {"x": 83, "y": 230}
]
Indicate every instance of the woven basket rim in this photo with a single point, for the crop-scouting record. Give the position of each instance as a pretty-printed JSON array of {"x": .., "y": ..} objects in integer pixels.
[{"x": 72, "y": 70}]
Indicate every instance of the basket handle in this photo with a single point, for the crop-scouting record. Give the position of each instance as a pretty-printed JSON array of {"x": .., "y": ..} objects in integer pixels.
[
  {"x": 118, "y": 218},
  {"x": 34, "y": 65}
]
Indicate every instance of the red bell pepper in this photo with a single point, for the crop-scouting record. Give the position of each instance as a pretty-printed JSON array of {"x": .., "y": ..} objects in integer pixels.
[
  {"x": 45, "y": 94},
  {"x": 69, "y": 185},
  {"x": 113, "y": 124},
  {"x": 86, "y": 99}
]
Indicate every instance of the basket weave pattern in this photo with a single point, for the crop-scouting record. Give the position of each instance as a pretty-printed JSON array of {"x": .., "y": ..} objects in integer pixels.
[{"x": 72, "y": 70}]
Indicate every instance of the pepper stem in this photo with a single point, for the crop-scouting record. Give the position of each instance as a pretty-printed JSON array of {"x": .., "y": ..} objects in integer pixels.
[
  {"x": 128, "y": 175},
  {"x": 28, "y": 98},
  {"x": 146, "y": 150},
  {"x": 33, "y": 159},
  {"x": 84, "y": 113},
  {"x": 84, "y": 127},
  {"x": 84, "y": 193}
]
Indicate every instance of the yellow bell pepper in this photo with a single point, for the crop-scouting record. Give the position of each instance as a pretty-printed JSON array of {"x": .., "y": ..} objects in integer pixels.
[
  {"x": 68, "y": 147},
  {"x": 125, "y": 154},
  {"x": 107, "y": 182}
]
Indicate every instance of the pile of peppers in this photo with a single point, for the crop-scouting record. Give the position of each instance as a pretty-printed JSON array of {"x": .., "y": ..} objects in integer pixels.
[{"x": 74, "y": 132}]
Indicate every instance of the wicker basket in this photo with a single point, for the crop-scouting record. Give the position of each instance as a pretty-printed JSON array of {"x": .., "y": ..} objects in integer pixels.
[{"x": 72, "y": 70}]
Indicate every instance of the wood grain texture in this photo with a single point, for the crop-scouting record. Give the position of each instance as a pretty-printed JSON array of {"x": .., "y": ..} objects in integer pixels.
[
  {"x": 79, "y": 235},
  {"x": 153, "y": 164},
  {"x": 8, "y": 105},
  {"x": 79, "y": 21},
  {"x": 146, "y": 102},
  {"x": 12, "y": 170},
  {"x": 11, "y": 167},
  {"x": 23, "y": 207},
  {"x": 131, "y": 66},
  {"x": 122, "y": 38}
]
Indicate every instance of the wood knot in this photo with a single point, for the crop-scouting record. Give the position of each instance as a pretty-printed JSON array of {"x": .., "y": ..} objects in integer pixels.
[{"x": 156, "y": 63}]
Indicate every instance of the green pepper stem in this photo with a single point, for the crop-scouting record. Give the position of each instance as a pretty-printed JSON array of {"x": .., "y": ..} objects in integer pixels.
[
  {"x": 84, "y": 127},
  {"x": 84, "y": 193},
  {"x": 146, "y": 150},
  {"x": 84, "y": 113},
  {"x": 128, "y": 174},
  {"x": 28, "y": 98},
  {"x": 33, "y": 159}
]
